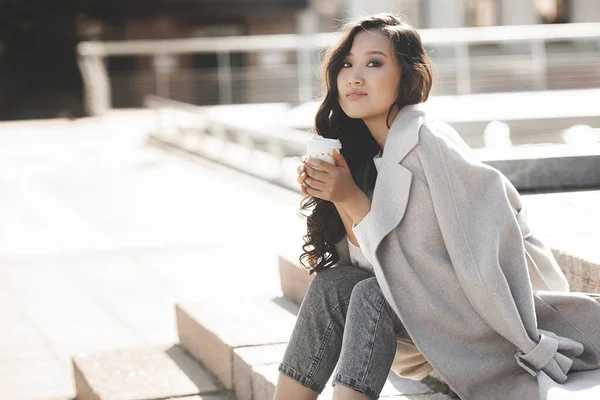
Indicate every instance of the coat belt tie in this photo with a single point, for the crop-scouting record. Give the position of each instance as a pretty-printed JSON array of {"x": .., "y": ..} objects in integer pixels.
[{"x": 545, "y": 356}]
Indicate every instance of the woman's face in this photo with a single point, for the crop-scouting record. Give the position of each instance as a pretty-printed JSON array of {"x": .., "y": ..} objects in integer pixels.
[{"x": 371, "y": 69}]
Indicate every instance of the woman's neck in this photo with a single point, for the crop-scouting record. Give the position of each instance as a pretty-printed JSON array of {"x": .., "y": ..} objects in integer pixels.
[{"x": 379, "y": 129}]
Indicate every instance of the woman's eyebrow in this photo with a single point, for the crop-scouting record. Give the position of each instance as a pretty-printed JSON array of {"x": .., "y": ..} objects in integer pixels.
[{"x": 372, "y": 52}]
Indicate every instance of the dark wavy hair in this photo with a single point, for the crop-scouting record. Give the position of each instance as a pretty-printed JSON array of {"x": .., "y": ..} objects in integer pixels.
[{"x": 323, "y": 222}]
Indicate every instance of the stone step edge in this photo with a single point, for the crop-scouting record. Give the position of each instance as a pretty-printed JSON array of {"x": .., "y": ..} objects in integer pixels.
[
  {"x": 199, "y": 334},
  {"x": 583, "y": 274},
  {"x": 132, "y": 368},
  {"x": 236, "y": 366}
]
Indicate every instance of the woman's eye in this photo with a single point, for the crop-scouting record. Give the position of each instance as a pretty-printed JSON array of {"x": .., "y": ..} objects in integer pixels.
[{"x": 374, "y": 63}]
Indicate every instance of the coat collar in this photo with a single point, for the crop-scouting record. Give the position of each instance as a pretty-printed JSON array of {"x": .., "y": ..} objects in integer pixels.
[
  {"x": 403, "y": 135},
  {"x": 391, "y": 192}
]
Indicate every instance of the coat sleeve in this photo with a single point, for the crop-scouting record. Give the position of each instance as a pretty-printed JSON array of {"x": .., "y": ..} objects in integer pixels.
[{"x": 486, "y": 247}]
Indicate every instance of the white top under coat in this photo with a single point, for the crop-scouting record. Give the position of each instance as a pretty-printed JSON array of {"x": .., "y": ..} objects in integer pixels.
[{"x": 357, "y": 258}]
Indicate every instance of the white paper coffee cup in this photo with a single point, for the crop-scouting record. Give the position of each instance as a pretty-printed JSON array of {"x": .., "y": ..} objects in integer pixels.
[{"x": 322, "y": 148}]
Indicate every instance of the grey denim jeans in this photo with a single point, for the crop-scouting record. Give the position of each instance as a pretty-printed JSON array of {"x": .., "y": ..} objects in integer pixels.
[{"x": 345, "y": 320}]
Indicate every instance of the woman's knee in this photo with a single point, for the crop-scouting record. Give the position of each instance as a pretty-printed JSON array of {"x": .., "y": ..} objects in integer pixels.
[
  {"x": 367, "y": 291},
  {"x": 335, "y": 284},
  {"x": 368, "y": 299}
]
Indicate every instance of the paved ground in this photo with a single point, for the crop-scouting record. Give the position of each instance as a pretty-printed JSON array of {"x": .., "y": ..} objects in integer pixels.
[{"x": 100, "y": 235}]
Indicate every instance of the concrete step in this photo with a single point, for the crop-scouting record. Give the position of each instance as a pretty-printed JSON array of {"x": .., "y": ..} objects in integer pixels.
[
  {"x": 146, "y": 373},
  {"x": 293, "y": 279},
  {"x": 243, "y": 343},
  {"x": 249, "y": 383},
  {"x": 230, "y": 337},
  {"x": 583, "y": 274}
]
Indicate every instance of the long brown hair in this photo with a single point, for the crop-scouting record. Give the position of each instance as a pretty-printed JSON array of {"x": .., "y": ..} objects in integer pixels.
[{"x": 323, "y": 222}]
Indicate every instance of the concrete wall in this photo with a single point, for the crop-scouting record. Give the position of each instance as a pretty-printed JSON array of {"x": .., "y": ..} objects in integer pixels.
[
  {"x": 518, "y": 12},
  {"x": 444, "y": 13},
  {"x": 411, "y": 9},
  {"x": 451, "y": 13},
  {"x": 358, "y": 8},
  {"x": 585, "y": 11}
]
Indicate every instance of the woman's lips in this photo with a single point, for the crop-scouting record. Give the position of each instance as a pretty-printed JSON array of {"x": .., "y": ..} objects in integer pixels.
[{"x": 355, "y": 96}]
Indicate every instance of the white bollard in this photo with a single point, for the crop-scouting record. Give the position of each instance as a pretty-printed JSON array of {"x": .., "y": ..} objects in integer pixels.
[
  {"x": 579, "y": 135},
  {"x": 496, "y": 135}
]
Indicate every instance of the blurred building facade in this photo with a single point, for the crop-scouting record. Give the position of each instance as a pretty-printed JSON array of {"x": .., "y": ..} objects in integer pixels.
[
  {"x": 38, "y": 66},
  {"x": 461, "y": 13},
  {"x": 39, "y": 77}
]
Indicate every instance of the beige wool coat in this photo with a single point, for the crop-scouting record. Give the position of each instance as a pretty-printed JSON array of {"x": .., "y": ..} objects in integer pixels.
[{"x": 482, "y": 298}]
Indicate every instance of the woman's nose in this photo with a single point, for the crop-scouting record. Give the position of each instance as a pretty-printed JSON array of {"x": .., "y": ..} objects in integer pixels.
[{"x": 355, "y": 81}]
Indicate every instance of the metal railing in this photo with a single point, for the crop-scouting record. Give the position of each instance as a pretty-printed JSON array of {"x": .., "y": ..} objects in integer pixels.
[
  {"x": 272, "y": 152},
  {"x": 467, "y": 60}
]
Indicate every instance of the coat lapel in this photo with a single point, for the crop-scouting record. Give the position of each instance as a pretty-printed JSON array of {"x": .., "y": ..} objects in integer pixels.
[{"x": 390, "y": 196}]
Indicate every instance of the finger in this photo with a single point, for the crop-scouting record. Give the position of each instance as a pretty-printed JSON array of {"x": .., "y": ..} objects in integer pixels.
[
  {"x": 311, "y": 187},
  {"x": 313, "y": 192},
  {"x": 318, "y": 175},
  {"x": 339, "y": 159},
  {"x": 301, "y": 177},
  {"x": 300, "y": 169},
  {"x": 313, "y": 183},
  {"x": 322, "y": 165}
]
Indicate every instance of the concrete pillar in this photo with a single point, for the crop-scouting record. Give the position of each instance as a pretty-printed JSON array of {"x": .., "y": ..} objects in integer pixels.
[
  {"x": 518, "y": 12},
  {"x": 97, "y": 94},
  {"x": 307, "y": 25},
  {"x": 585, "y": 10},
  {"x": 444, "y": 13}
]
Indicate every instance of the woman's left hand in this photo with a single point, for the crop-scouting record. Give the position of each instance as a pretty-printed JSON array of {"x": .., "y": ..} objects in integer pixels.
[{"x": 333, "y": 183}]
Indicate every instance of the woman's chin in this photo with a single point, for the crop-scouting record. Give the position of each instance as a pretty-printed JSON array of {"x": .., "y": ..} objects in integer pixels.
[{"x": 355, "y": 114}]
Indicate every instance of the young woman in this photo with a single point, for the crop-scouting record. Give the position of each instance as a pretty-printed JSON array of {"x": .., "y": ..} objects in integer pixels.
[{"x": 434, "y": 265}]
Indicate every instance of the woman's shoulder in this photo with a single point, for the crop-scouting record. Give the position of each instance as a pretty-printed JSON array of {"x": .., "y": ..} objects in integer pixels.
[
  {"x": 433, "y": 128},
  {"x": 437, "y": 134}
]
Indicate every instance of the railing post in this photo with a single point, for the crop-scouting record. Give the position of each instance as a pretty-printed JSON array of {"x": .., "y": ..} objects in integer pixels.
[
  {"x": 463, "y": 68},
  {"x": 97, "y": 85},
  {"x": 225, "y": 77},
  {"x": 163, "y": 66},
  {"x": 307, "y": 26},
  {"x": 540, "y": 63},
  {"x": 304, "y": 69}
]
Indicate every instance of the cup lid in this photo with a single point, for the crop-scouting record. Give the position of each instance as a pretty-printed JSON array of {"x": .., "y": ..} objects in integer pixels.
[{"x": 324, "y": 142}]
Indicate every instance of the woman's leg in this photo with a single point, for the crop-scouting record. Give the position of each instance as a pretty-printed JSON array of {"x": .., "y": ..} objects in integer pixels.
[
  {"x": 316, "y": 341},
  {"x": 288, "y": 388},
  {"x": 369, "y": 343}
]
